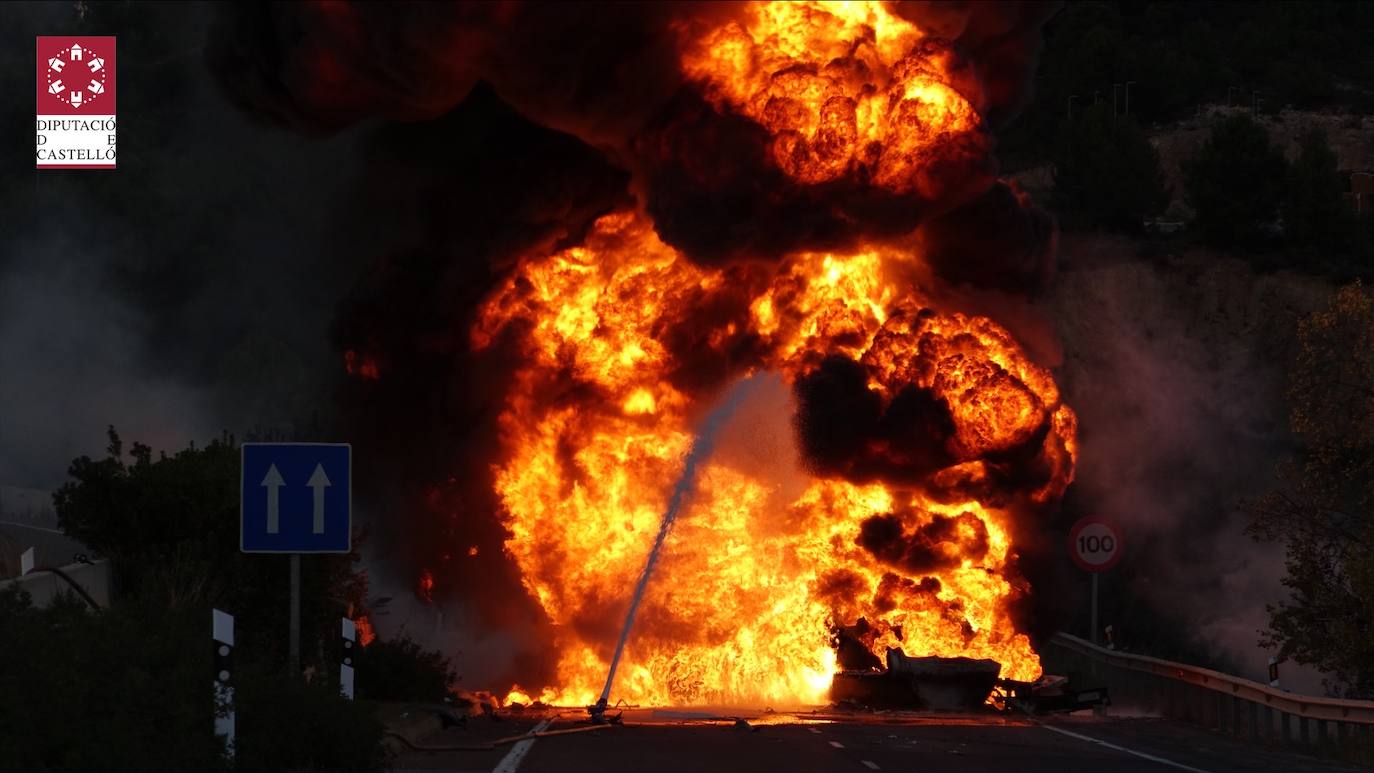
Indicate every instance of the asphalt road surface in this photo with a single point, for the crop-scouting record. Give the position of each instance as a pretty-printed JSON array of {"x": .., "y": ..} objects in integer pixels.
[{"x": 671, "y": 741}]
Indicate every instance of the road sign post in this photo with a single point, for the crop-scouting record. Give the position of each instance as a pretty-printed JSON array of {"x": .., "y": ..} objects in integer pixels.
[
  {"x": 295, "y": 498},
  {"x": 1094, "y": 615},
  {"x": 1095, "y": 545}
]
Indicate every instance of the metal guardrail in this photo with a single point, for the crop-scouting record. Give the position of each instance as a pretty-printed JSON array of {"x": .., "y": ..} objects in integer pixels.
[
  {"x": 90, "y": 580},
  {"x": 1237, "y": 706},
  {"x": 1331, "y": 709}
]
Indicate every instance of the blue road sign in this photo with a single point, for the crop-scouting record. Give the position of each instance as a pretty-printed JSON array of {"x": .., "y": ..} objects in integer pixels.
[{"x": 295, "y": 498}]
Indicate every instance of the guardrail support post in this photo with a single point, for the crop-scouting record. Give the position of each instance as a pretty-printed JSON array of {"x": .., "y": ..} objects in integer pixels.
[
  {"x": 1254, "y": 722},
  {"x": 1304, "y": 728},
  {"x": 1287, "y": 728}
]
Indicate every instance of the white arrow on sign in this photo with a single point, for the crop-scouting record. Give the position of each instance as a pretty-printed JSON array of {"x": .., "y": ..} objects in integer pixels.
[
  {"x": 319, "y": 482},
  {"x": 273, "y": 482}
]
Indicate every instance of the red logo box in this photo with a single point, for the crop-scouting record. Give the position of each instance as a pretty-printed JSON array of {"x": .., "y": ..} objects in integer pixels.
[{"x": 76, "y": 90}]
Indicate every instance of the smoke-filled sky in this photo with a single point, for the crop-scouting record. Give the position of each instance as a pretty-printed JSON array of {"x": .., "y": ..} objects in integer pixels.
[
  {"x": 187, "y": 292},
  {"x": 296, "y": 181}
]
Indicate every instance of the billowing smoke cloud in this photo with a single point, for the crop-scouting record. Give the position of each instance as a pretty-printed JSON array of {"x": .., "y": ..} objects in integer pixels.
[
  {"x": 839, "y": 419},
  {"x": 188, "y": 292},
  {"x": 75, "y": 360},
  {"x": 1000, "y": 40},
  {"x": 1178, "y": 373},
  {"x": 461, "y": 198},
  {"x": 941, "y": 542},
  {"x": 707, "y": 174}
]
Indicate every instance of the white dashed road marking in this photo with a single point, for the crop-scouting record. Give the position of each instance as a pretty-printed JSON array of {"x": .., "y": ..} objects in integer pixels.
[
  {"x": 511, "y": 762},
  {"x": 870, "y": 765},
  {"x": 1142, "y": 755},
  {"x": 814, "y": 730},
  {"x": 837, "y": 744}
]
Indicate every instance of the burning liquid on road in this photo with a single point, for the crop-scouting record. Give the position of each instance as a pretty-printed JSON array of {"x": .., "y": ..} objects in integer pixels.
[{"x": 902, "y": 538}]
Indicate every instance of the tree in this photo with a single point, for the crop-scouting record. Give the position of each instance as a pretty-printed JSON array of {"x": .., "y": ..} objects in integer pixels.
[
  {"x": 1107, "y": 172},
  {"x": 399, "y": 669},
  {"x": 1324, "y": 513},
  {"x": 128, "y": 687},
  {"x": 1235, "y": 183},
  {"x": 99, "y": 691},
  {"x": 170, "y": 528},
  {"x": 1314, "y": 214}
]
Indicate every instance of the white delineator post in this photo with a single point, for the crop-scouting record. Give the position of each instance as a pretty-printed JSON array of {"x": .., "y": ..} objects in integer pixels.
[
  {"x": 26, "y": 562},
  {"x": 1274, "y": 671},
  {"x": 348, "y": 644},
  {"x": 223, "y": 635}
]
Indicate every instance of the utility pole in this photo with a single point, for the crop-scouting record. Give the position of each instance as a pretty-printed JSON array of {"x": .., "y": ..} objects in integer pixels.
[{"x": 1072, "y": 97}]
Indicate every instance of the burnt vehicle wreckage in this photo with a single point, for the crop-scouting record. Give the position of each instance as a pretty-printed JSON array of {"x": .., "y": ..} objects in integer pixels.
[{"x": 958, "y": 684}]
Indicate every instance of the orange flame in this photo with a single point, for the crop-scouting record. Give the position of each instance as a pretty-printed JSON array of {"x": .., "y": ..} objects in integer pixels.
[
  {"x": 366, "y": 633},
  {"x": 843, "y": 89},
  {"x": 751, "y": 587},
  {"x": 424, "y": 587},
  {"x": 361, "y": 366}
]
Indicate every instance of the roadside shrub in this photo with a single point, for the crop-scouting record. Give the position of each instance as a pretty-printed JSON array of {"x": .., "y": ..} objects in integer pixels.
[
  {"x": 114, "y": 690},
  {"x": 288, "y": 724},
  {"x": 400, "y": 670}
]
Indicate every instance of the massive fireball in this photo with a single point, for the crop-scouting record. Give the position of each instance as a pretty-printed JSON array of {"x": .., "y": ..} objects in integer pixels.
[
  {"x": 844, "y": 89},
  {"x": 750, "y": 594},
  {"x": 927, "y": 434}
]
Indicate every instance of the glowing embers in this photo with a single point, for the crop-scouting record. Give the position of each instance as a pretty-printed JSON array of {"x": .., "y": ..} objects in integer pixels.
[{"x": 843, "y": 90}]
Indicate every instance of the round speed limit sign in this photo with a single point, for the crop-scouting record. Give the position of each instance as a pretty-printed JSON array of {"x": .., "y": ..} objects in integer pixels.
[{"x": 1095, "y": 544}]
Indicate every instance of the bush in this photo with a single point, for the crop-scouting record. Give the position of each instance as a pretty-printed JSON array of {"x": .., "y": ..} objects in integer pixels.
[
  {"x": 288, "y": 724},
  {"x": 1106, "y": 172},
  {"x": 1235, "y": 183},
  {"x": 169, "y": 525},
  {"x": 129, "y": 688},
  {"x": 115, "y": 690},
  {"x": 1315, "y": 216},
  {"x": 399, "y": 670}
]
